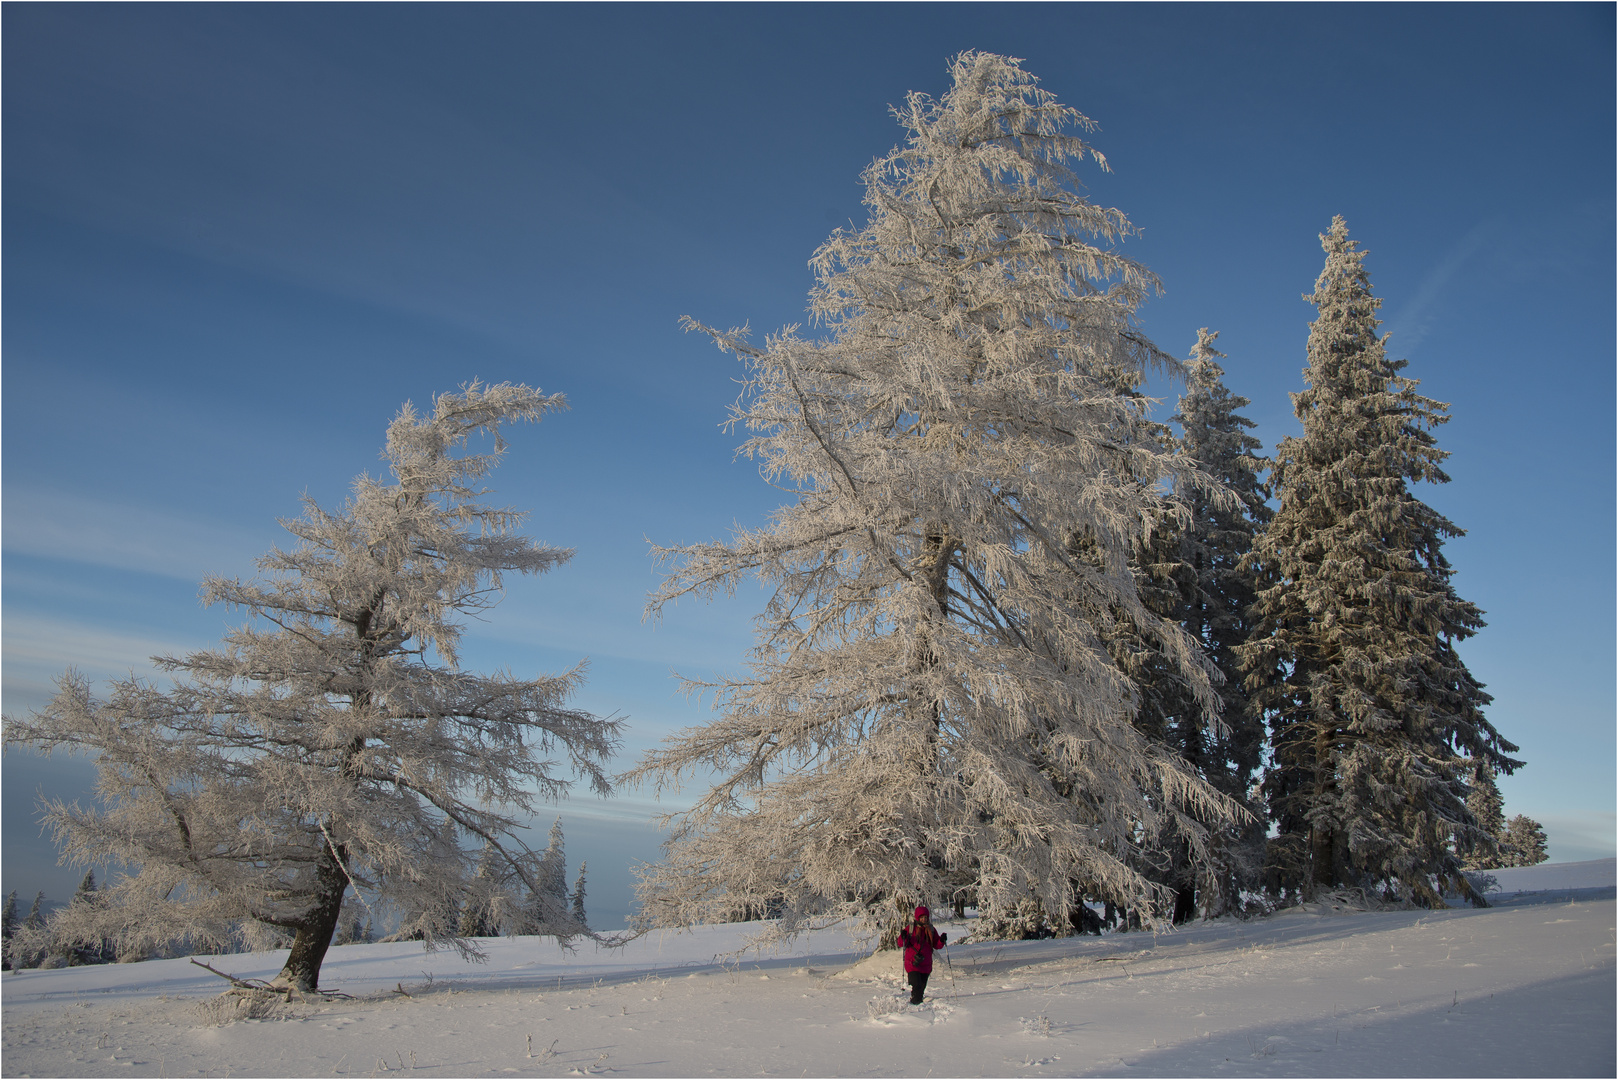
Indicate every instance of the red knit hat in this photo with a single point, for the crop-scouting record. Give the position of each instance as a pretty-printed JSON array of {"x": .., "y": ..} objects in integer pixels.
[{"x": 922, "y": 910}]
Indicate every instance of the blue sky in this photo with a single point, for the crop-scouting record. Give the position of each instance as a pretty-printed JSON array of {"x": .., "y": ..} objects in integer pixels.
[{"x": 237, "y": 237}]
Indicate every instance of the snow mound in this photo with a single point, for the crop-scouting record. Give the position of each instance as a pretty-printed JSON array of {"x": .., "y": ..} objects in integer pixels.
[{"x": 878, "y": 967}]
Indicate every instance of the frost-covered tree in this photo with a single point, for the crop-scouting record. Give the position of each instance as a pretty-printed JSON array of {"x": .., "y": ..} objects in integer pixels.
[
  {"x": 576, "y": 902},
  {"x": 1191, "y": 570},
  {"x": 478, "y": 915},
  {"x": 8, "y": 928},
  {"x": 1522, "y": 842},
  {"x": 931, "y": 707},
  {"x": 86, "y": 891},
  {"x": 99, "y": 951},
  {"x": 333, "y": 745},
  {"x": 547, "y": 910},
  {"x": 1213, "y": 546},
  {"x": 1483, "y": 851},
  {"x": 351, "y": 931},
  {"x": 30, "y": 940},
  {"x": 1373, "y": 718}
]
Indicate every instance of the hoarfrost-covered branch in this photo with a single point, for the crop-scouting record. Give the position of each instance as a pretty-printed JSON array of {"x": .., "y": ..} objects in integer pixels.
[{"x": 321, "y": 749}]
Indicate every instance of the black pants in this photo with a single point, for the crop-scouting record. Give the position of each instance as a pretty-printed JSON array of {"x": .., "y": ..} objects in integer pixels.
[{"x": 918, "y": 985}]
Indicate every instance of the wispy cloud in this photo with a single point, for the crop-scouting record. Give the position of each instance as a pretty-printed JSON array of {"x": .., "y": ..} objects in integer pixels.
[
  {"x": 56, "y": 525},
  {"x": 1576, "y": 836},
  {"x": 1415, "y": 320},
  {"x": 35, "y": 649}
]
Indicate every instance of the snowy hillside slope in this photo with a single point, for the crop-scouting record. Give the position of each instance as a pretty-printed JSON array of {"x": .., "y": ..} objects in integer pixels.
[
  {"x": 1525, "y": 988},
  {"x": 1554, "y": 877}
]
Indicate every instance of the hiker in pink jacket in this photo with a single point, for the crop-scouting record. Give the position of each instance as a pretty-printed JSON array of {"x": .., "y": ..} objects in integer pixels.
[{"x": 918, "y": 939}]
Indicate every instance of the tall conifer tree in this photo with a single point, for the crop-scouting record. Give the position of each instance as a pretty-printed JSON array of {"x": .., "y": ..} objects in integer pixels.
[
  {"x": 1190, "y": 569},
  {"x": 1371, "y": 712},
  {"x": 932, "y": 705},
  {"x": 1214, "y": 590}
]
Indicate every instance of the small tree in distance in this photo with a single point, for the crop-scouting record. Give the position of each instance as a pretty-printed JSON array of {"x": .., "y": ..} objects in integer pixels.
[
  {"x": 9, "y": 924},
  {"x": 1523, "y": 841},
  {"x": 332, "y": 746},
  {"x": 576, "y": 902}
]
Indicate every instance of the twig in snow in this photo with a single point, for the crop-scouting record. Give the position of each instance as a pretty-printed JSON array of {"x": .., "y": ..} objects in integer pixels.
[
  {"x": 246, "y": 984},
  {"x": 266, "y": 987}
]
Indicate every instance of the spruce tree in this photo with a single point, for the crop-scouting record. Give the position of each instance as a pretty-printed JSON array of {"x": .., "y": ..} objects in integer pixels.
[
  {"x": 479, "y": 917},
  {"x": 348, "y": 930},
  {"x": 1214, "y": 545},
  {"x": 1522, "y": 842},
  {"x": 98, "y": 950},
  {"x": 932, "y": 710},
  {"x": 87, "y": 887},
  {"x": 1483, "y": 851},
  {"x": 1372, "y": 715},
  {"x": 1197, "y": 575},
  {"x": 577, "y": 902},
  {"x": 29, "y": 941},
  {"x": 1189, "y": 568},
  {"x": 8, "y": 929},
  {"x": 548, "y": 910}
]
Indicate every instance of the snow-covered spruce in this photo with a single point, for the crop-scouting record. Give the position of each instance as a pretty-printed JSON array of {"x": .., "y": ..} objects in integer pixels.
[
  {"x": 932, "y": 713},
  {"x": 1522, "y": 842},
  {"x": 1375, "y": 723},
  {"x": 1190, "y": 569},
  {"x": 333, "y": 746}
]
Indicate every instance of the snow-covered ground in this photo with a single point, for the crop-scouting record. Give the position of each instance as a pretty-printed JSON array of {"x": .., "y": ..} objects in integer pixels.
[{"x": 1524, "y": 988}]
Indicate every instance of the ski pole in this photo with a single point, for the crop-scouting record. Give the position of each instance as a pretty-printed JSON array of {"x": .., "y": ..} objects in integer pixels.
[{"x": 953, "y": 995}]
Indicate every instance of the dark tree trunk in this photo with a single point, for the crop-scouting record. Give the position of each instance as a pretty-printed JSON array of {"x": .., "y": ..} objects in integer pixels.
[
  {"x": 1323, "y": 859},
  {"x": 1185, "y": 903},
  {"x": 313, "y": 937},
  {"x": 1083, "y": 920}
]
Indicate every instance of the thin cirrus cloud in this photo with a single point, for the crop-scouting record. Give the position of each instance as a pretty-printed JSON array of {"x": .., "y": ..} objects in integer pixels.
[
  {"x": 57, "y": 525},
  {"x": 1416, "y": 318},
  {"x": 1575, "y": 837},
  {"x": 367, "y": 217},
  {"x": 37, "y": 649}
]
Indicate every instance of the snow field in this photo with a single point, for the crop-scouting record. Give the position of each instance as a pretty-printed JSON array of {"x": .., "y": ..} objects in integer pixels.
[{"x": 1526, "y": 988}]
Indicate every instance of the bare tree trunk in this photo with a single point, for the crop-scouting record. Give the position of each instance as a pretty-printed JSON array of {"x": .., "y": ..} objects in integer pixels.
[
  {"x": 1323, "y": 861},
  {"x": 313, "y": 938}
]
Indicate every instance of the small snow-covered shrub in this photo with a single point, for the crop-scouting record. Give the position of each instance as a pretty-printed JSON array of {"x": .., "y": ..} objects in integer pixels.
[
  {"x": 239, "y": 1004},
  {"x": 885, "y": 1006},
  {"x": 1253, "y": 905}
]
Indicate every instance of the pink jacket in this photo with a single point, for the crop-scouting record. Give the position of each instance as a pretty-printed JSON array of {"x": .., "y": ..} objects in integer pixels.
[{"x": 918, "y": 944}]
